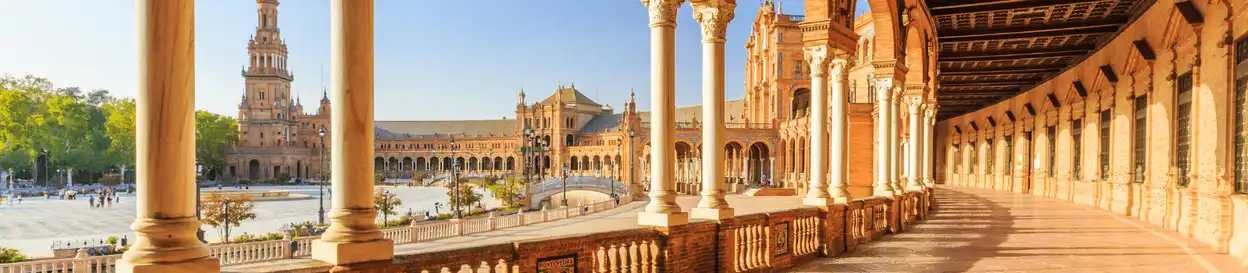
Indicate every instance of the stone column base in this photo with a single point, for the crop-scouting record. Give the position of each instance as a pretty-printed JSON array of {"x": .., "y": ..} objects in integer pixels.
[
  {"x": 192, "y": 266},
  {"x": 817, "y": 201},
  {"x": 336, "y": 253},
  {"x": 672, "y": 219},
  {"x": 712, "y": 214}
]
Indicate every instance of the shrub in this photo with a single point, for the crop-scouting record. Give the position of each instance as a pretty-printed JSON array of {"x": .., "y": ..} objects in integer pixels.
[
  {"x": 9, "y": 255},
  {"x": 247, "y": 237}
]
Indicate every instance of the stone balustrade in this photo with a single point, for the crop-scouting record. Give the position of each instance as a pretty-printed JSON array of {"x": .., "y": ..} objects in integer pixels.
[
  {"x": 242, "y": 253},
  {"x": 761, "y": 242}
]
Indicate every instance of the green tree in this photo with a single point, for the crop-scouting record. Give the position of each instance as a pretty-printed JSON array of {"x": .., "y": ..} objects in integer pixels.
[
  {"x": 119, "y": 129},
  {"x": 9, "y": 255},
  {"x": 215, "y": 210},
  {"x": 510, "y": 191},
  {"x": 215, "y": 135},
  {"x": 466, "y": 194},
  {"x": 385, "y": 203}
]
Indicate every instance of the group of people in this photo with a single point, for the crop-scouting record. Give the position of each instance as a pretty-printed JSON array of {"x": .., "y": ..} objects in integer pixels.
[{"x": 105, "y": 197}]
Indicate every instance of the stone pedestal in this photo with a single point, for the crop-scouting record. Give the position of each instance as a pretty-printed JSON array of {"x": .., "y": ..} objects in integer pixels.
[
  {"x": 657, "y": 219},
  {"x": 354, "y": 252},
  {"x": 192, "y": 266}
]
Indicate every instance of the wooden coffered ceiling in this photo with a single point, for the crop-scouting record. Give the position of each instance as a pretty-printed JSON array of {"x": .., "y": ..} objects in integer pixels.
[{"x": 992, "y": 50}]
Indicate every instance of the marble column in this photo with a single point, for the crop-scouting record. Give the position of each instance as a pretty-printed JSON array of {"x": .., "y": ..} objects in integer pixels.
[
  {"x": 352, "y": 236},
  {"x": 894, "y": 138},
  {"x": 165, "y": 223},
  {"x": 929, "y": 125},
  {"x": 838, "y": 147},
  {"x": 817, "y": 56},
  {"x": 883, "y": 186},
  {"x": 662, "y": 210},
  {"x": 714, "y": 17},
  {"x": 916, "y": 183}
]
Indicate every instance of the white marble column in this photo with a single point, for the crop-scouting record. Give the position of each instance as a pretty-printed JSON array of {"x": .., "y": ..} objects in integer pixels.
[
  {"x": 838, "y": 149},
  {"x": 714, "y": 17},
  {"x": 165, "y": 223},
  {"x": 662, "y": 210},
  {"x": 883, "y": 185},
  {"x": 894, "y": 138},
  {"x": 929, "y": 124},
  {"x": 352, "y": 236},
  {"x": 915, "y": 183},
  {"x": 817, "y": 56}
]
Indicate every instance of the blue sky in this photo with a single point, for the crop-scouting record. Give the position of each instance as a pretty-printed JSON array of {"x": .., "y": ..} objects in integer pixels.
[{"x": 435, "y": 60}]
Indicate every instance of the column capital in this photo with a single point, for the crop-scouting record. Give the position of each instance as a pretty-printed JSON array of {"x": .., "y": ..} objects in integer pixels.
[
  {"x": 913, "y": 102},
  {"x": 714, "y": 17},
  {"x": 662, "y": 12},
  {"x": 838, "y": 66},
  {"x": 882, "y": 89},
  {"x": 817, "y": 57}
]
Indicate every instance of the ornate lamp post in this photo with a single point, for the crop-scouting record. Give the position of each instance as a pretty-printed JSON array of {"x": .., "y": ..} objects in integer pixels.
[
  {"x": 321, "y": 212},
  {"x": 225, "y": 209},
  {"x": 455, "y": 179},
  {"x": 564, "y": 179},
  {"x": 632, "y": 170},
  {"x": 525, "y": 151}
]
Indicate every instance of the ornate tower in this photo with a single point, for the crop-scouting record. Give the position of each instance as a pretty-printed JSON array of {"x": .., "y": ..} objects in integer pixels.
[{"x": 267, "y": 112}]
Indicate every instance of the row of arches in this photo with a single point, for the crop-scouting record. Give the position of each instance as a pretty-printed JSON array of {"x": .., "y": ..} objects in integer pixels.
[{"x": 471, "y": 163}]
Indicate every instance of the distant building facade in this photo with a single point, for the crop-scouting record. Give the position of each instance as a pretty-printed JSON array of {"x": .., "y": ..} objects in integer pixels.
[{"x": 766, "y": 131}]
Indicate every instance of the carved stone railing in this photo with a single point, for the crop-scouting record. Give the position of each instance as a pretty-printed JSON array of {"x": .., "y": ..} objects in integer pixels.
[
  {"x": 242, "y": 253},
  {"x": 98, "y": 264},
  {"x": 763, "y": 242}
]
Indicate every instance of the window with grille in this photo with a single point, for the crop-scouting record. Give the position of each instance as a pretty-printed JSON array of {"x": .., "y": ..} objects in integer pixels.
[
  {"x": 1105, "y": 123},
  {"x": 1241, "y": 115},
  {"x": 974, "y": 158},
  {"x": 1009, "y": 156},
  {"x": 992, "y": 157},
  {"x": 1076, "y": 160},
  {"x": 1052, "y": 130},
  {"x": 1141, "y": 138},
  {"x": 1183, "y": 134}
]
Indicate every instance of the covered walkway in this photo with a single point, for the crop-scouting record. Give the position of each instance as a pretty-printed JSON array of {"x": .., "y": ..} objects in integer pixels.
[{"x": 988, "y": 230}]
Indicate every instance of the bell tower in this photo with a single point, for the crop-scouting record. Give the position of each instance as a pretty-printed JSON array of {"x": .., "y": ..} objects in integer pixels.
[{"x": 268, "y": 111}]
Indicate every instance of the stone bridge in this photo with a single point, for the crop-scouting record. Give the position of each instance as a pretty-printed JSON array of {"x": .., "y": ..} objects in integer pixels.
[{"x": 550, "y": 187}]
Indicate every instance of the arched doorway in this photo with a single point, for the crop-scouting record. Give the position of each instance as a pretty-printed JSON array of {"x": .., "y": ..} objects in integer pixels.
[
  {"x": 760, "y": 164},
  {"x": 421, "y": 164},
  {"x": 800, "y": 106},
  {"x": 734, "y": 162},
  {"x": 299, "y": 169},
  {"x": 253, "y": 170},
  {"x": 407, "y": 163},
  {"x": 378, "y": 163}
]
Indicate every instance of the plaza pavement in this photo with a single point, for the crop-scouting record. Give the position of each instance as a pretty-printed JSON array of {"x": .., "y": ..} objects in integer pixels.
[
  {"x": 32, "y": 226},
  {"x": 980, "y": 230}
]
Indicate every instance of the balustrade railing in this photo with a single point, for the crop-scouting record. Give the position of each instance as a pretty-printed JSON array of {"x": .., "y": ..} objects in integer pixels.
[
  {"x": 241, "y": 253},
  {"x": 683, "y": 125}
]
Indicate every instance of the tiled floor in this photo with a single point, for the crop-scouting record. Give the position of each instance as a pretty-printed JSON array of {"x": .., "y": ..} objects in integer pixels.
[{"x": 991, "y": 231}]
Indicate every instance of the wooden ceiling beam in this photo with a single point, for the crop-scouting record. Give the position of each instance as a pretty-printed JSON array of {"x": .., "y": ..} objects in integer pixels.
[
  {"x": 1047, "y": 67},
  {"x": 1006, "y": 56},
  {"x": 951, "y": 7},
  {"x": 989, "y": 72},
  {"x": 1015, "y": 52},
  {"x": 989, "y": 83},
  {"x": 1032, "y": 31}
]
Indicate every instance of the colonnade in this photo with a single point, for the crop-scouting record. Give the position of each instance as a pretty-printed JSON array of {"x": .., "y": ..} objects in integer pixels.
[
  {"x": 165, "y": 222},
  {"x": 899, "y": 171}
]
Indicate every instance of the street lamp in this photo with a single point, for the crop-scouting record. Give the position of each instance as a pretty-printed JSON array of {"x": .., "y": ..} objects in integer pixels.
[
  {"x": 225, "y": 209},
  {"x": 564, "y": 179},
  {"x": 321, "y": 212},
  {"x": 199, "y": 230},
  {"x": 455, "y": 179}
]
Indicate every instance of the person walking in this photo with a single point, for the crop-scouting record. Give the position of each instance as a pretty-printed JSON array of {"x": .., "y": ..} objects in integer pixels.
[
  {"x": 110, "y": 201},
  {"x": 92, "y": 201}
]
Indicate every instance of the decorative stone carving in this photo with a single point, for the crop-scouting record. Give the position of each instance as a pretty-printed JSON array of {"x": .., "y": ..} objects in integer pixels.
[
  {"x": 714, "y": 17},
  {"x": 816, "y": 56},
  {"x": 662, "y": 12}
]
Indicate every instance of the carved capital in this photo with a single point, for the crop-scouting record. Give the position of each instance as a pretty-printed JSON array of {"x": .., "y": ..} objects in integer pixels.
[
  {"x": 816, "y": 56},
  {"x": 662, "y": 12},
  {"x": 714, "y": 17},
  {"x": 913, "y": 102},
  {"x": 883, "y": 89},
  {"x": 838, "y": 67}
]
